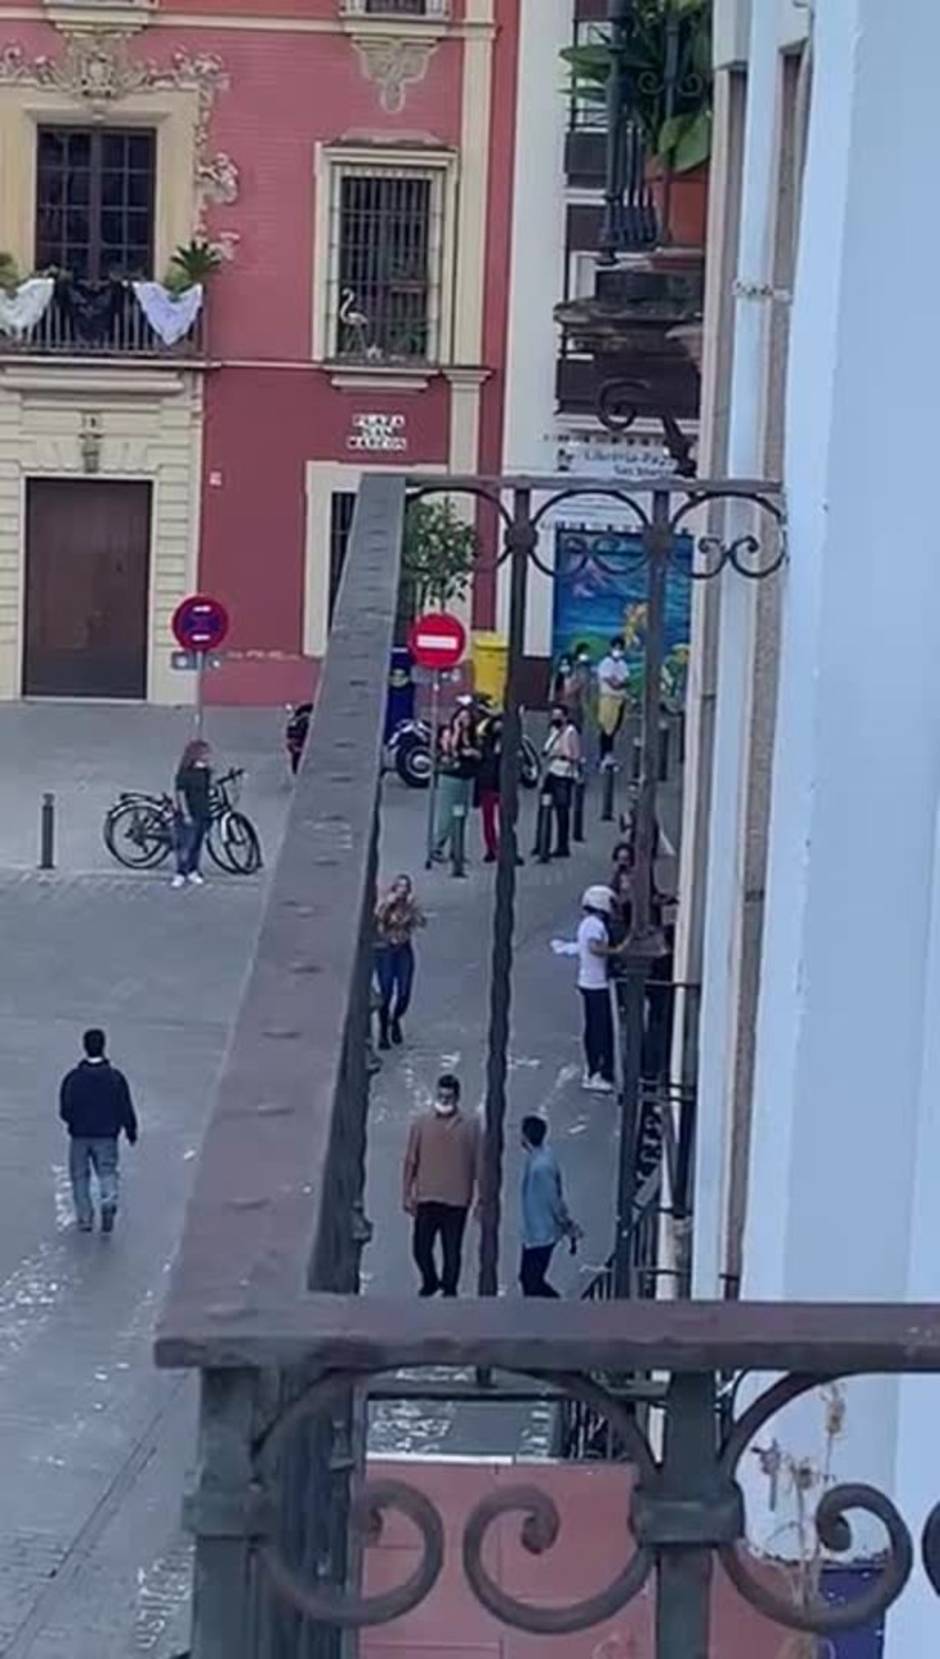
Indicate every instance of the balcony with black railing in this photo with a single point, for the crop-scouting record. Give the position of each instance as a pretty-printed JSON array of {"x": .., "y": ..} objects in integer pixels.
[
  {"x": 106, "y": 319},
  {"x": 287, "y": 1507}
]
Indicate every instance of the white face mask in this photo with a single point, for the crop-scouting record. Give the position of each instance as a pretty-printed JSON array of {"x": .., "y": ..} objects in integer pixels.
[
  {"x": 445, "y": 1108},
  {"x": 617, "y": 654}
]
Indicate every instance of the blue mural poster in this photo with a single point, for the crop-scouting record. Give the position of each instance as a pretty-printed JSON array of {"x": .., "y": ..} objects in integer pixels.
[{"x": 600, "y": 591}]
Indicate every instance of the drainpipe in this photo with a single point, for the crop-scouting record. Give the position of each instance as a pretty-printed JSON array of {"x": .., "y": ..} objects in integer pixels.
[{"x": 753, "y": 296}]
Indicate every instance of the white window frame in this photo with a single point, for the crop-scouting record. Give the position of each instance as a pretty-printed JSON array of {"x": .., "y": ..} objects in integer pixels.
[{"x": 333, "y": 164}]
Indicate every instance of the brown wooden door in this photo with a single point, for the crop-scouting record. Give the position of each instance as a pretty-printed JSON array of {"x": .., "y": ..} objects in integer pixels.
[{"x": 87, "y": 559}]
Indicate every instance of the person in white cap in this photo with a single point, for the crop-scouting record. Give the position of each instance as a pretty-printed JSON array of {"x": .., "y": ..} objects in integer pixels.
[{"x": 593, "y": 951}]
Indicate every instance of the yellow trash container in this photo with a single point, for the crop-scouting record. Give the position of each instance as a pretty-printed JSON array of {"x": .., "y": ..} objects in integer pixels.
[{"x": 490, "y": 663}]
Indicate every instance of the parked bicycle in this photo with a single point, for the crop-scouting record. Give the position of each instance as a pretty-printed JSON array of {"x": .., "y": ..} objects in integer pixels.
[{"x": 140, "y": 829}]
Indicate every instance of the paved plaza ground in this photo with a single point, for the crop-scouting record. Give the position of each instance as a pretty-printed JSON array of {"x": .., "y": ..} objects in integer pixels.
[{"x": 94, "y": 1444}]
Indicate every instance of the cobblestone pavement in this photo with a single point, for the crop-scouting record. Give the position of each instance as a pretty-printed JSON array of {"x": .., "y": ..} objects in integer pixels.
[{"x": 94, "y": 1444}]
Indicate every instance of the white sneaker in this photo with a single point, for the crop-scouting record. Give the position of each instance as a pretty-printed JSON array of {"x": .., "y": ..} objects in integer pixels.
[
  {"x": 195, "y": 879},
  {"x": 600, "y": 1085},
  {"x": 178, "y": 881},
  {"x": 587, "y": 1081}
]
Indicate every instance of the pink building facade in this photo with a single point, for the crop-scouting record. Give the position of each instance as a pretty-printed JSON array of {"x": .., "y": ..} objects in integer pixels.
[{"x": 352, "y": 162}]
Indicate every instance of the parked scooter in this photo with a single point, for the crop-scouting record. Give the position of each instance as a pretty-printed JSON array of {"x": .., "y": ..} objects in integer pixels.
[{"x": 409, "y": 748}]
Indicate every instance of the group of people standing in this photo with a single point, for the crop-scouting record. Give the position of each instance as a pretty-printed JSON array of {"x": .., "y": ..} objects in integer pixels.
[
  {"x": 601, "y": 695},
  {"x": 442, "y": 1170}
]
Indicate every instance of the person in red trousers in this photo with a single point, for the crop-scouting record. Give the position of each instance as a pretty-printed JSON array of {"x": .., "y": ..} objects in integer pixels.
[{"x": 487, "y": 785}]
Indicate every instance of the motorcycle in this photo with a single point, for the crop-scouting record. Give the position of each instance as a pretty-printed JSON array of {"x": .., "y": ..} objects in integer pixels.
[
  {"x": 408, "y": 751},
  {"x": 295, "y": 733}
]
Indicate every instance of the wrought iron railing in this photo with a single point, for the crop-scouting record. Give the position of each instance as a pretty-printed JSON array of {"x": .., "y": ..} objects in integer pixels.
[
  {"x": 263, "y": 1302},
  {"x": 104, "y": 322},
  {"x": 431, "y": 9}
]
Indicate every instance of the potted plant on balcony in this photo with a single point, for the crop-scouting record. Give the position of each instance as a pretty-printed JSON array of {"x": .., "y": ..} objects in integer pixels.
[
  {"x": 23, "y": 301},
  {"x": 671, "y": 109}
]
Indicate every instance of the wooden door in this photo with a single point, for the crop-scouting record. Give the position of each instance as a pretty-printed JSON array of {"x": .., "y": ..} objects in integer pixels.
[{"x": 87, "y": 578}]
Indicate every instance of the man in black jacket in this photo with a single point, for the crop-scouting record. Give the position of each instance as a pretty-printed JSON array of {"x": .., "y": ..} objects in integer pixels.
[{"x": 95, "y": 1105}]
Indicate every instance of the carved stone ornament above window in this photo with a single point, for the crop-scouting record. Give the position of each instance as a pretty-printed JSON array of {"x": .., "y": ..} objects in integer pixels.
[
  {"x": 97, "y": 70},
  {"x": 394, "y": 63}
]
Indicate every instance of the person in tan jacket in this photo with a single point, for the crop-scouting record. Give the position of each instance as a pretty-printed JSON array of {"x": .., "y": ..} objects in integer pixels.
[{"x": 440, "y": 1176}]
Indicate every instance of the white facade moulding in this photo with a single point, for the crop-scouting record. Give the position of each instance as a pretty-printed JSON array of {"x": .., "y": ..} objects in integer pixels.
[{"x": 731, "y": 30}]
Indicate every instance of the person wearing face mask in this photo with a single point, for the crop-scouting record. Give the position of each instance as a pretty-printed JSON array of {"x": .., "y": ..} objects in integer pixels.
[
  {"x": 613, "y": 678},
  {"x": 439, "y": 1179},
  {"x": 561, "y": 758},
  {"x": 573, "y": 684}
]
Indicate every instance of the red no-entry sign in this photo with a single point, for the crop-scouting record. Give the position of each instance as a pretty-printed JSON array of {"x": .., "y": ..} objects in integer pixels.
[
  {"x": 437, "y": 640},
  {"x": 200, "y": 623}
]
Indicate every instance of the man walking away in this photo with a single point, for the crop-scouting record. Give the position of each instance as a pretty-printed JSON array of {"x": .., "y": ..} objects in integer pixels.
[
  {"x": 95, "y": 1105},
  {"x": 440, "y": 1176},
  {"x": 545, "y": 1218}
]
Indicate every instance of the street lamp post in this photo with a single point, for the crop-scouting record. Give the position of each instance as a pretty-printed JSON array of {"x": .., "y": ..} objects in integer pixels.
[{"x": 521, "y": 540}]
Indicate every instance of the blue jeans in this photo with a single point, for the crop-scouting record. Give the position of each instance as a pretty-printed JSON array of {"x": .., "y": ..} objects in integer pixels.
[
  {"x": 101, "y": 1155},
  {"x": 395, "y": 971},
  {"x": 190, "y": 835},
  {"x": 453, "y": 796}
]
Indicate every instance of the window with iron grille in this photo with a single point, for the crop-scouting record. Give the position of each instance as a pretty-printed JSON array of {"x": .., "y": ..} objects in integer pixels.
[
  {"x": 395, "y": 8},
  {"x": 342, "y": 507},
  {"x": 386, "y": 263},
  {"x": 95, "y": 201}
]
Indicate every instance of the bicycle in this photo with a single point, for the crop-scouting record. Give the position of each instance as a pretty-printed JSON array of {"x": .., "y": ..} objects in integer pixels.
[{"x": 140, "y": 829}]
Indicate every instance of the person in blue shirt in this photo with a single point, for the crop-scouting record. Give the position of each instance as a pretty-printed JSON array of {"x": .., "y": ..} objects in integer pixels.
[{"x": 545, "y": 1218}]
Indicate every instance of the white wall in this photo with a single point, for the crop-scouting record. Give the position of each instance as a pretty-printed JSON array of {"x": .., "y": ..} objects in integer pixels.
[
  {"x": 537, "y": 271},
  {"x": 846, "y": 1084}
]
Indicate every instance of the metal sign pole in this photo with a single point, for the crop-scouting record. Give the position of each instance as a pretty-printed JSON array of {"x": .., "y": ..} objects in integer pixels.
[
  {"x": 200, "y": 675},
  {"x": 432, "y": 791}
]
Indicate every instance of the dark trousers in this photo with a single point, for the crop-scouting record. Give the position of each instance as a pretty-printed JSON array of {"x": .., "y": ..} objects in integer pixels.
[
  {"x": 533, "y": 1267},
  {"x": 598, "y": 1034},
  {"x": 447, "y": 1222},
  {"x": 489, "y": 812},
  {"x": 561, "y": 790},
  {"x": 190, "y": 835},
  {"x": 395, "y": 972}
]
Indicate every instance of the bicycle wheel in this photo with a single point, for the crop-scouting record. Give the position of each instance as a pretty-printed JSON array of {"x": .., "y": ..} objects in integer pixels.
[
  {"x": 216, "y": 847},
  {"x": 242, "y": 847},
  {"x": 137, "y": 835},
  {"x": 233, "y": 845}
]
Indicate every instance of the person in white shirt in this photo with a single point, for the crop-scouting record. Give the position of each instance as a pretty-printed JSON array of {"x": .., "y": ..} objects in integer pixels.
[
  {"x": 593, "y": 984},
  {"x": 561, "y": 758},
  {"x": 613, "y": 679}
]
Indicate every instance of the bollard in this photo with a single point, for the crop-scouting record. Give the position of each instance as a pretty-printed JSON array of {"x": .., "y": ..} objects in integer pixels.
[
  {"x": 47, "y": 833},
  {"x": 609, "y": 776},
  {"x": 664, "y": 753},
  {"x": 577, "y": 822},
  {"x": 543, "y": 828},
  {"x": 458, "y": 842}
]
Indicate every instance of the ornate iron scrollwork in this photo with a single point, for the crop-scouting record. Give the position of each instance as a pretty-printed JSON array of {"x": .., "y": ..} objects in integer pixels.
[
  {"x": 672, "y": 1509},
  {"x": 541, "y": 1529},
  {"x": 326, "y": 1603},
  {"x": 818, "y": 1617}
]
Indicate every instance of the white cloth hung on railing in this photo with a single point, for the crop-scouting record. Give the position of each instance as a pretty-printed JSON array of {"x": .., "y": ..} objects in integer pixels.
[
  {"x": 22, "y": 309},
  {"x": 169, "y": 315}
]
